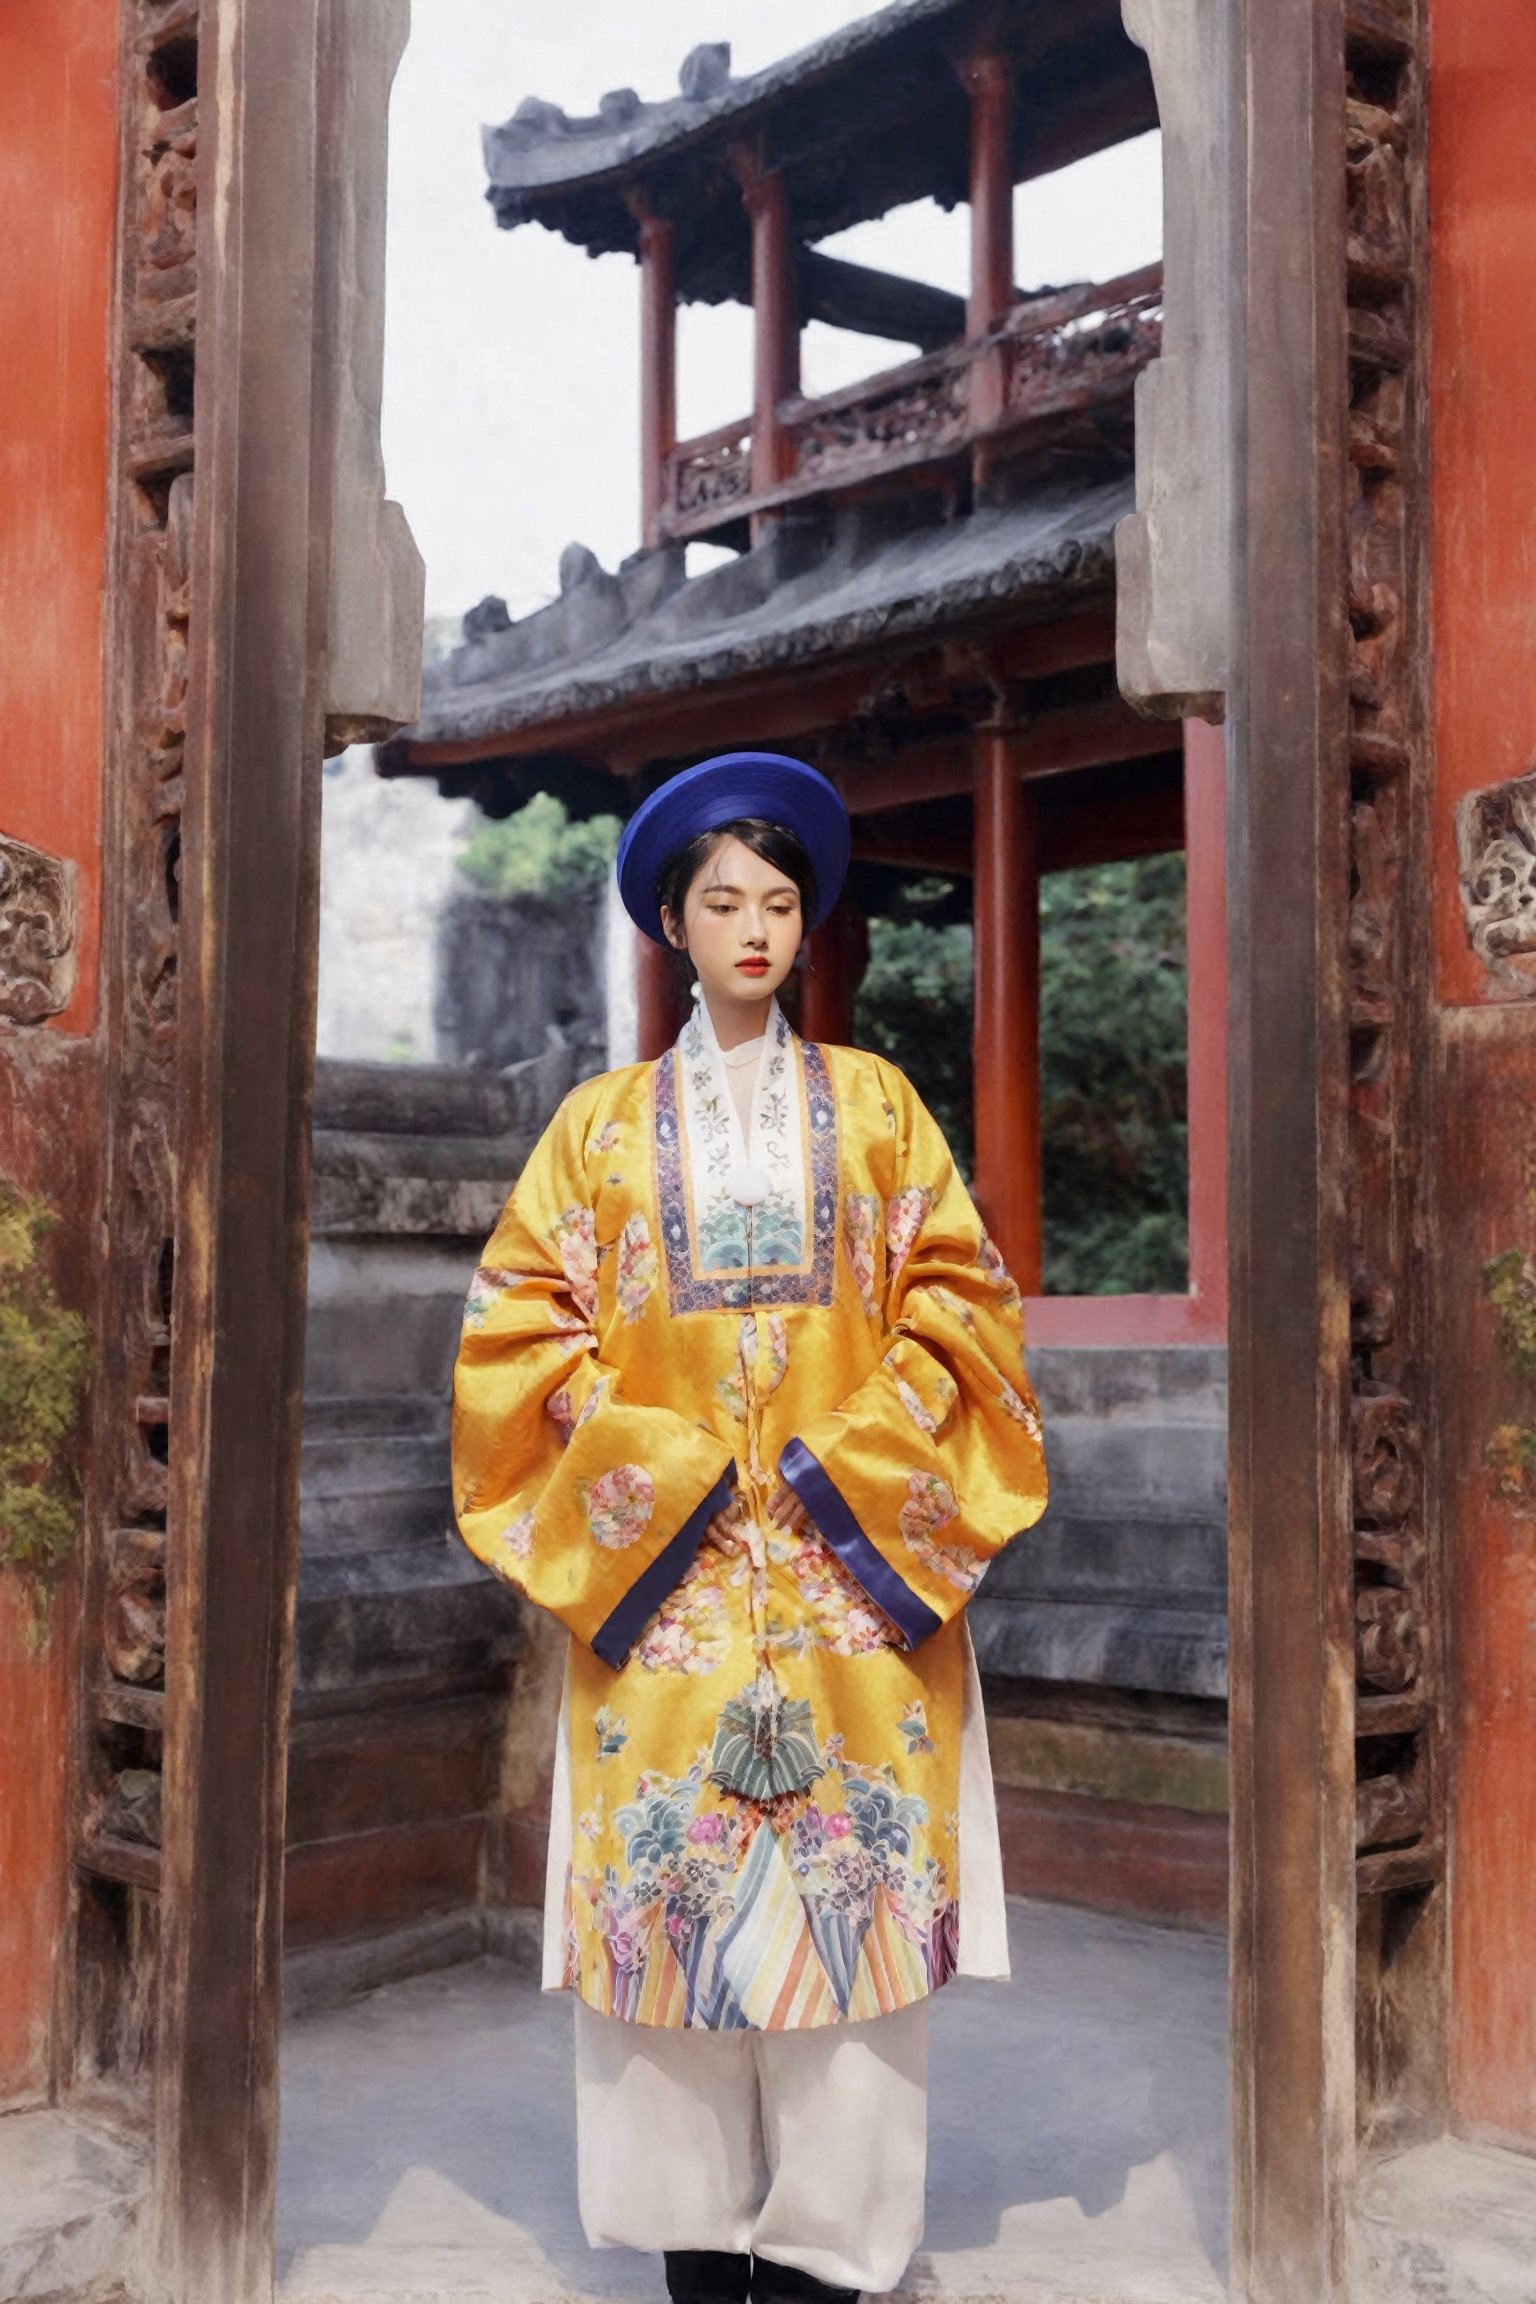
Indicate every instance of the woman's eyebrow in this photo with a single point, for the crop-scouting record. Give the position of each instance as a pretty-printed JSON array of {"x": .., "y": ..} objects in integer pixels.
[{"x": 729, "y": 888}]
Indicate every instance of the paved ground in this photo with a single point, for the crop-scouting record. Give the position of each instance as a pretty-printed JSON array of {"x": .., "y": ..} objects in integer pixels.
[
  {"x": 71, "y": 2195},
  {"x": 1078, "y": 2145}
]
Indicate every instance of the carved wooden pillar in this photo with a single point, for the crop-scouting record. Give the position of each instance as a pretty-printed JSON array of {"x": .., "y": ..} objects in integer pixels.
[
  {"x": 836, "y": 957},
  {"x": 659, "y": 998},
  {"x": 1007, "y": 1006},
  {"x": 776, "y": 323},
  {"x": 658, "y": 367}
]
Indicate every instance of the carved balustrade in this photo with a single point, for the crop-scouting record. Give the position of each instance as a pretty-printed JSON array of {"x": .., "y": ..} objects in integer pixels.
[{"x": 1061, "y": 356}]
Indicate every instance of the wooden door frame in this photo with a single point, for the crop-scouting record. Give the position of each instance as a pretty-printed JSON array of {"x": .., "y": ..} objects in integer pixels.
[
  {"x": 255, "y": 742},
  {"x": 1291, "y": 1623}
]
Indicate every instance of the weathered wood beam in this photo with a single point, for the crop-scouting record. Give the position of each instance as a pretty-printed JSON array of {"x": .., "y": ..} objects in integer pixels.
[
  {"x": 1092, "y": 736},
  {"x": 627, "y": 736},
  {"x": 873, "y": 303},
  {"x": 1089, "y": 832}
]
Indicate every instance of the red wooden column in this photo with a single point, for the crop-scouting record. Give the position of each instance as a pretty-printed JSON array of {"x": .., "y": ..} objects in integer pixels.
[
  {"x": 836, "y": 957},
  {"x": 990, "y": 85},
  {"x": 1205, "y": 909},
  {"x": 989, "y": 82},
  {"x": 776, "y": 323},
  {"x": 658, "y": 367},
  {"x": 659, "y": 998},
  {"x": 1007, "y": 1006}
]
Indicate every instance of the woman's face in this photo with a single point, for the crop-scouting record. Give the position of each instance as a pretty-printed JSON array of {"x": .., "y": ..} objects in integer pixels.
[{"x": 741, "y": 925}]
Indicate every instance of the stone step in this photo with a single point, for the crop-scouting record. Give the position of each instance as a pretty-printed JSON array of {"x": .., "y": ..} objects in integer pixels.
[
  {"x": 1110, "y": 1380},
  {"x": 439, "y": 1566},
  {"x": 339, "y": 1415},
  {"x": 1075, "y": 1555},
  {"x": 402, "y": 1629},
  {"x": 338, "y": 1463},
  {"x": 1143, "y": 1467},
  {"x": 1166, "y": 1651}
]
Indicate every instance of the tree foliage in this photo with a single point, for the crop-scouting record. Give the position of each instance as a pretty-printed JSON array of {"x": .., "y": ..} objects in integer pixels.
[
  {"x": 1112, "y": 1063},
  {"x": 539, "y": 851},
  {"x": 44, "y": 1366}
]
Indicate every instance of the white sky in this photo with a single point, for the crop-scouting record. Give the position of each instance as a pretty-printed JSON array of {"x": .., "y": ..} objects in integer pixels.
[{"x": 511, "y": 404}]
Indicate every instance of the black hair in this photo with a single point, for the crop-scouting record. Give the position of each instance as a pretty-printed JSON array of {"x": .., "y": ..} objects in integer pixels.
[{"x": 775, "y": 843}]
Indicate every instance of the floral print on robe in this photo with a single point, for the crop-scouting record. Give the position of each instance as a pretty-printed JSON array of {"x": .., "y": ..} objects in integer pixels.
[{"x": 764, "y": 1738}]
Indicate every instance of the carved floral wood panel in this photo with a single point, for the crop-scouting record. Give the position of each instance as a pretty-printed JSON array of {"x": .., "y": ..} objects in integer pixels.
[
  {"x": 37, "y": 932},
  {"x": 1399, "y": 1829},
  {"x": 123, "y": 1654}
]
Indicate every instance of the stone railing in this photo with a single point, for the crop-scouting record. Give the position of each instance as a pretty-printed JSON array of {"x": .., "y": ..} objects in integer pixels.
[{"x": 1054, "y": 359}]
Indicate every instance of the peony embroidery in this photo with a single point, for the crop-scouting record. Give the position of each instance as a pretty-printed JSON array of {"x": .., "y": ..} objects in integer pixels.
[
  {"x": 957, "y": 1564},
  {"x": 996, "y": 1271},
  {"x": 575, "y": 1238},
  {"x": 945, "y": 1393},
  {"x": 861, "y": 1221},
  {"x": 931, "y": 1506},
  {"x": 953, "y": 1304},
  {"x": 840, "y": 1616},
  {"x": 905, "y": 1217},
  {"x": 758, "y": 1370},
  {"x": 638, "y": 1266},
  {"x": 516, "y": 1539},
  {"x": 1022, "y": 1411},
  {"x": 489, "y": 1282},
  {"x": 618, "y": 1505},
  {"x": 691, "y": 1631}
]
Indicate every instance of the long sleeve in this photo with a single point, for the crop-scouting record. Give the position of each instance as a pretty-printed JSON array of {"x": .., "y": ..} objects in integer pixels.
[
  {"x": 592, "y": 1504},
  {"x": 934, "y": 1463}
]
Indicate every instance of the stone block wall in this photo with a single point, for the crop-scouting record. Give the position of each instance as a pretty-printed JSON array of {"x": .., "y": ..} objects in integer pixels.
[
  {"x": 1102, "y": 1640},
  {"x": 408, "y": 1651}
]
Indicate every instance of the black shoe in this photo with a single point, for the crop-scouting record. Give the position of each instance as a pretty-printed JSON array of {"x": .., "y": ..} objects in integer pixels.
[
  {"x": 785, "y": 2284},
  {"x": 705, "y": 2276}
]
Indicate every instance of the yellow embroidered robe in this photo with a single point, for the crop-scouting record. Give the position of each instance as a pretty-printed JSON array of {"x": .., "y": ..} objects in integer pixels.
[{"x": 764, "y": 1743}]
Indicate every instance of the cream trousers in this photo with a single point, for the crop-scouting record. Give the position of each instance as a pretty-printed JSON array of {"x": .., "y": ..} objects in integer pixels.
[{"x": 809, "y": 2148}]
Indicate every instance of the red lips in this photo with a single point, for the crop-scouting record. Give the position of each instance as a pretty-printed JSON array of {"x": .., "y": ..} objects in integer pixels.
[{"x": 753, "y": 967}]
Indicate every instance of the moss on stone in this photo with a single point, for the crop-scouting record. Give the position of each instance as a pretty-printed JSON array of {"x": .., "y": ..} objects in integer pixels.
[
  {"x": 44, "y": 1369},
  {"x": 1509, "y": 1282}
]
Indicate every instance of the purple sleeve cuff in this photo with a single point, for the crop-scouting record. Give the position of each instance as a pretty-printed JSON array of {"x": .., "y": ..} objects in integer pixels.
[
  {"x": 912, "y": 1617},
  {"x": 614, "y": 1639}
]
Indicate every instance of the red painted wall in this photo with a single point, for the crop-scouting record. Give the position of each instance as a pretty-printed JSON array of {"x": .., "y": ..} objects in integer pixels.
[
  {"x": 58, "y": 186},
  {"x": 1483, "y": 319}
]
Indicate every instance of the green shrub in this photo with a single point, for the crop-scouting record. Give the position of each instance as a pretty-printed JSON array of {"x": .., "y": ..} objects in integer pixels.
[
  {"x": 539, "y": 851},
  {"x": 1112, "y": 1064}
]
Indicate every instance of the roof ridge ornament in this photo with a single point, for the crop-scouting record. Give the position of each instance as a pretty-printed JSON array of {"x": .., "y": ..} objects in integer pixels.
[{"x": 705, "y": 71}]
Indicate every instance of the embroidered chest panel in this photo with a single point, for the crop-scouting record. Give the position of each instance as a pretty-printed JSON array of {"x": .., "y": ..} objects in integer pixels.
[{"x": 721, "y": 1254}]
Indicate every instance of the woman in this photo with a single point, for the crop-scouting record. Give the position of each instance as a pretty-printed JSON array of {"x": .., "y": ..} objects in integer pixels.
[{"x": 741, "y": 1400}]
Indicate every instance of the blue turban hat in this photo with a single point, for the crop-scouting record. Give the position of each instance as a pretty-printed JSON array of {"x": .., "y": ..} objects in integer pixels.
[{"x": 721, "y": 791}]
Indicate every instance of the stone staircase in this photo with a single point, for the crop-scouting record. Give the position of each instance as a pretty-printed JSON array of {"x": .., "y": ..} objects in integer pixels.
[{"x": 1123, "y": 1584}]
